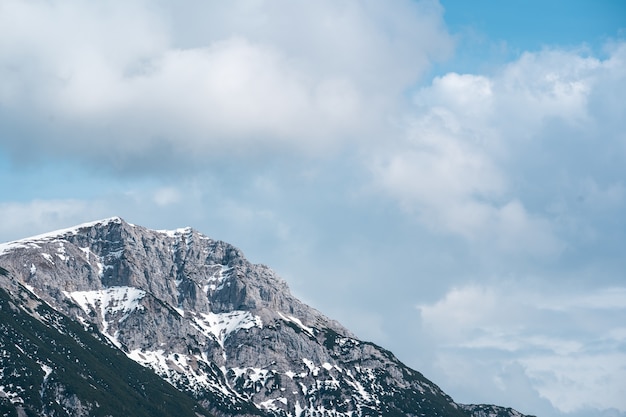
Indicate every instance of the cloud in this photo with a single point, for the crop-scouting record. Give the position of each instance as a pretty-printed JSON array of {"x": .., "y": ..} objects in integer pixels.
[
  {"x": 574, "y": 382},
  {"x": 563, "y": 343},
  {"x": 166, "y": 196},
  {"x": 489, "y": 157},
  {"x": 455, "y": 186},
  {"x": 126, "y": 86}
]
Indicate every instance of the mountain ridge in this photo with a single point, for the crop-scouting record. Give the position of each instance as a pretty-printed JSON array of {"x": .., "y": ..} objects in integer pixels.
[{"x": 226, "y": 332}]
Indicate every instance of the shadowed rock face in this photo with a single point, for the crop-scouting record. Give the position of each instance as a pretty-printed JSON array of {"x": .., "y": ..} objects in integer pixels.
[{"x": 224, "y": 330}]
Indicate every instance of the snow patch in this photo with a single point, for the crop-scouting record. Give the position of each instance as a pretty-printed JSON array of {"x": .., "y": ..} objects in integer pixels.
[
  {"x": 354, "y": 383},
  {"x": 253, "y": 374},
  {"x": 220, "y": 325},
  {"x": 312, "y": 368},
  {"x": 10, "y": 246},
  {"x": 216, "y": 281},
  {"x": 86, "y": 251},
  {"x": 110, "y": 300},
  {"x": 7, "y": 392},
  {"x": 107, "y": 302},
  {"x": 176, "y": 232},
  {"x": 269, "y": 404},
  {"x": 101, "y": 269},
  {"x": 297, "y": 322},
  {"x": 29, "y": 288},
  {"x": 47, "y": 371},
  {"x": 298, "y": 409},
  {"x": 61, "y": 254}
]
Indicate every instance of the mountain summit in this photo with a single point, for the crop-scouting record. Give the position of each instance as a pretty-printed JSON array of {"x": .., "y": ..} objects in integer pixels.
[{"x": 226, "y": 333}]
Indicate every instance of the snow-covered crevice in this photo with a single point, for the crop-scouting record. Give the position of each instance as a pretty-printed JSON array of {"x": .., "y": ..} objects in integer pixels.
[
  {"x": 220, "y": 325},
  {"x": 107, "y": 303},
  {"x": 48, "y": 257},
  {"x": 291, "y": 319},
  {"x": 215, "y": 282},
  {"x": 89, "y": 256},
  {"x": 47, "y": 371}
]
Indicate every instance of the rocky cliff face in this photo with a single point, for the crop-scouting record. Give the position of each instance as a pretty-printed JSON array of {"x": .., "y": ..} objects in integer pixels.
[
  {"x": 217, "y": 327},
  {"x": 50, "y": 365}
]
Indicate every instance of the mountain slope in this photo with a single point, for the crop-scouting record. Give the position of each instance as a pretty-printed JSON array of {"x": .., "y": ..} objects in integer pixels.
[
  {"x": 220, "y": 329},
  {"x": 51, "y": 365}
]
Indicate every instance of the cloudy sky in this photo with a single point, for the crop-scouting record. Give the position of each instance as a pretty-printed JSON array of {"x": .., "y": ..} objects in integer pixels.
[{"x": 447, "y": 179}]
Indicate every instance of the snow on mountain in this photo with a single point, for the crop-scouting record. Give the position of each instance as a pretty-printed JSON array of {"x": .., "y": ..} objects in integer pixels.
[
  {"x": 108, "y": 303},
  {"x": 220, "y": 325},
  {"x": 56, "y": 234}
]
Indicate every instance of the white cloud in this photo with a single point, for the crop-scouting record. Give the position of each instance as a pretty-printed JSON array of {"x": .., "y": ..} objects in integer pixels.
[
  {"x": 549, "y": 84},
  {"x": 611, "y": 298},
  {"x": 581, "y": 365},
  {"x": 167, "y": 195},
  {"x": 470, "y": 98},
  {"x": 574, "y": 382},
  {"x": 461, "y": 310},
  {"x": 123, "y": 81},
  {"x": 483, "y": 156},
  {"x": 454, "y": 185}
]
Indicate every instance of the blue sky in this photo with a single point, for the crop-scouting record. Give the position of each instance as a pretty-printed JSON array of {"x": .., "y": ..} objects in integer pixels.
[
  {"x": 446, "y": 179},
  {"x": 533, "y": 24}
]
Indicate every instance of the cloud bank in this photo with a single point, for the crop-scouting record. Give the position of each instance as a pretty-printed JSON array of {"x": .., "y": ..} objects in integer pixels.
[{"x": 114, "y": 83}]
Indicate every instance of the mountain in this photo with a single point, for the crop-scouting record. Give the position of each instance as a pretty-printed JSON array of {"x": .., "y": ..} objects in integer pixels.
[
  {"x": 51, "y": 365},
  {"x": 82, "y": 308}
]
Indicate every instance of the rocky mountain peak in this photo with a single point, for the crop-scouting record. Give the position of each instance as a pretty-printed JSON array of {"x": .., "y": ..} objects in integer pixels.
[{"x": 182, "y": 267}]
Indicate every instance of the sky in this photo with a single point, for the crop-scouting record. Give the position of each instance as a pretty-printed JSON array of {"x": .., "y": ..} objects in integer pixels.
[{"x": 446, "y": 179}]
